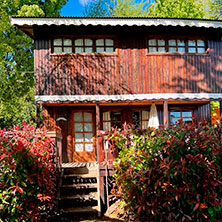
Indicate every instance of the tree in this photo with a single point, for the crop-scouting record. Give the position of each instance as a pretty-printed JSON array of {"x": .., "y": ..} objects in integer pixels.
[
  {"x": 16, "y": 60},
  {"x": 156, "y": 8}
]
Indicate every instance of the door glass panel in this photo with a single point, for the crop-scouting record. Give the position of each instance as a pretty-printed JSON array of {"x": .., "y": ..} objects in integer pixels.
[
  {"x": 88, "y": 127},
  {"x": 88, "y": 137},
  {"x": 87, "y": 117},
  {"x": 78, "y": 117},
  {"x": 78, "y": 127},
  {"x": 88, "y": 147},
  {"x": 79, "y": 137},
  {"x": 78, "y": 147}
]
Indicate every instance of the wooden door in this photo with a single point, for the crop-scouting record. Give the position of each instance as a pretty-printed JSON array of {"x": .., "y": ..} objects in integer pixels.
[{"x": 83, "y": 136}]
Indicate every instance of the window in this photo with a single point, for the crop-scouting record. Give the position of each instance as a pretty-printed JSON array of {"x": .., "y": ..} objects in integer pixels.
[
  {"x": 140, "y": 119},
  {"x": 176, "y": 46},
  {"x": 178, "y": 116},
  {"x": 111, "y": 119},
  {"x": 104, "y": 45},
  {"x": 62, "y": 45},
  {"x": 83, "y": 45}
]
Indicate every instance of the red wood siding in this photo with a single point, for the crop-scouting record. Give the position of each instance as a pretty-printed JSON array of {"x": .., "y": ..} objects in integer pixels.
[{"x": 130, "y": 70}]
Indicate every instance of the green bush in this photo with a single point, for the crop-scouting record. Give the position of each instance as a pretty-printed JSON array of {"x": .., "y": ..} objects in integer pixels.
[
  {"x": 169, "y": 175},
  {"x": 27, "y": 174}
]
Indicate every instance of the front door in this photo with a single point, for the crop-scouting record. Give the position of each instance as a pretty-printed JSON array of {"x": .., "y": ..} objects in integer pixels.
[{"x": 83, "y": 136}]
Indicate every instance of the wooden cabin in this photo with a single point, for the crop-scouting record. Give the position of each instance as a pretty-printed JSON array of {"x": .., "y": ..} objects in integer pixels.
[{"x": 95, "y": 73}]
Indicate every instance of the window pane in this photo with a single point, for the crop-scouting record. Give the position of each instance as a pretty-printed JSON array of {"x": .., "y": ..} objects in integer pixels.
[
  {"x": 88, "y": 137},
  {"x": 171, "y": 49},
  {"x": 68, "y": 50},
  {"x": 192, "y": 50},
  {"x": 88, "y": 49},
  {"x": 78, "y": 137},
  {"x": 191, "y": 43},
  {"x": 109, "y": 49},
  {"x": 87, "y": 117},
  {"x": 174, "y": 121},
  {"x": 79, "y": 42},
  {"x": 57, "y": 49},
  {"x": 78, "y": 127},
  {"x": 175, "y": 114},
  {"x": 88, "y": 127},
  {"x": 152, "y": 42},
  {"x": 145, "y": 115},
  {"x": 187, "y": 120},
  {"x": 172, "y": 42},
  {"x": 181, "y": 42},
  {"x": 181, "y": 50},
  {"x": 88, "y": 42},
  {"x": 78, "y": 117},
  {"x": 78, "y": 147},
  {"x": 161, "y": 49},
  {"x": 88, "y": 147},
  {"x": 136, "y": 124},
  {"x": 187, "y": 114},
  {"x": 116, "y": 124},
  {"x": 136, "y": 116},
  {"x": 116, "y": 116},
  {"x": 100, "y": 49},
  {"x": 57, "y": 41},
  {"x": 67, "y": 42},
  {"x": 161, "y": 42},
  {"x": 152, "y": 49},
  {"x": 145, "y": 124},
  {"x": 78, "y": 50},
  {"x": 200, "y": 43},
  {"x": 100, "y": 42},
  {"x": 201, "y": 50},
  {"x": 109, "y": 42}
]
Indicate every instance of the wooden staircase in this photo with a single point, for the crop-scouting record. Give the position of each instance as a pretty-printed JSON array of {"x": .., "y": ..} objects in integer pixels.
[{"x": 79, "y": 192}]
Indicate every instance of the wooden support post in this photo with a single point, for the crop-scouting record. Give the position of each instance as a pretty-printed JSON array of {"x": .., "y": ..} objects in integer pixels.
[
  {"x": 220, "y": 110},
  {"x": 165, "y": 115},
  {"x": 38, "y": 114},
  {"x": 97, "y": 131}
]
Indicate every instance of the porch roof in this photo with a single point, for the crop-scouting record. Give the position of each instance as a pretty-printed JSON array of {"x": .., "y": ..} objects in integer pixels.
[
  {"x": 127, "y": 98},
  {"x": 26, "y": 23}
]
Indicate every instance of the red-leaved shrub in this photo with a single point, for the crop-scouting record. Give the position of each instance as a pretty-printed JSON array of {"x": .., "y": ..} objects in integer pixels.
[
  {"x": 169, "y": 175},
  {"x": 27, "y": 174}
]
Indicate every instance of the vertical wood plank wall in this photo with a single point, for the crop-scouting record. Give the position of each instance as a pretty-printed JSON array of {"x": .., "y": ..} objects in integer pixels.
[{"x": 129, "y": 70}]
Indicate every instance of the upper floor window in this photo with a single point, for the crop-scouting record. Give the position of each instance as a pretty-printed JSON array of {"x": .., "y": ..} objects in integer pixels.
[
  {"x": 176, "y": 46},
  {"x": 83, "y": 45}
]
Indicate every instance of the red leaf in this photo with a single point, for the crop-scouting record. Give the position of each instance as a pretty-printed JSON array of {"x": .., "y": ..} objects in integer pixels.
[
  {"x": 196, "y": 206},
  {"x": 20, "y": 190}
]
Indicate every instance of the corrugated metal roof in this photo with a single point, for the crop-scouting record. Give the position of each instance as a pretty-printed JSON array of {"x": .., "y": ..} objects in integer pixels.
[
  {"x": 114, "y": 21},
  {"x": 127, "y": 98}
]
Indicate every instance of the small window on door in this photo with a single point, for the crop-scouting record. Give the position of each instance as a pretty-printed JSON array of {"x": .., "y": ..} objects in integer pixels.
[
  {"x": 83, "y": 132},
  {"x": 181, "y": 116},
  {"x": 140, "y": 119}
]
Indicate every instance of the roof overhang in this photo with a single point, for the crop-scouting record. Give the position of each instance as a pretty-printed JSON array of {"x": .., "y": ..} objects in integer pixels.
[
  {"x": 26, "y": 23},
  {"x": 128, "y": 98}
]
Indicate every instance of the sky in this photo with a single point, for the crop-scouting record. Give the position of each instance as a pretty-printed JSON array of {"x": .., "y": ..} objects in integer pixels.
[{"x": 74, "y": 8}]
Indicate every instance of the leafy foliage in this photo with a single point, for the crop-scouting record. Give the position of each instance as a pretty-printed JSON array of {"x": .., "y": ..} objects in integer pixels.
[
  {"x": 27, "y": 174},
  {"x": 156, "y": 8},
  {"x": 169, "y": 175},
  {"x": 16, "y": 59}
]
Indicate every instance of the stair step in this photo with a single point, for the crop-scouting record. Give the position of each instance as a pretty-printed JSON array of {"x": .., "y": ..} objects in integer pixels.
[
  {"x": 79, "y": 196},
  {"x": 77, "y": 210},
  {"x": 81, "y": 185},
  {"x": 84, "y": 175}
]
